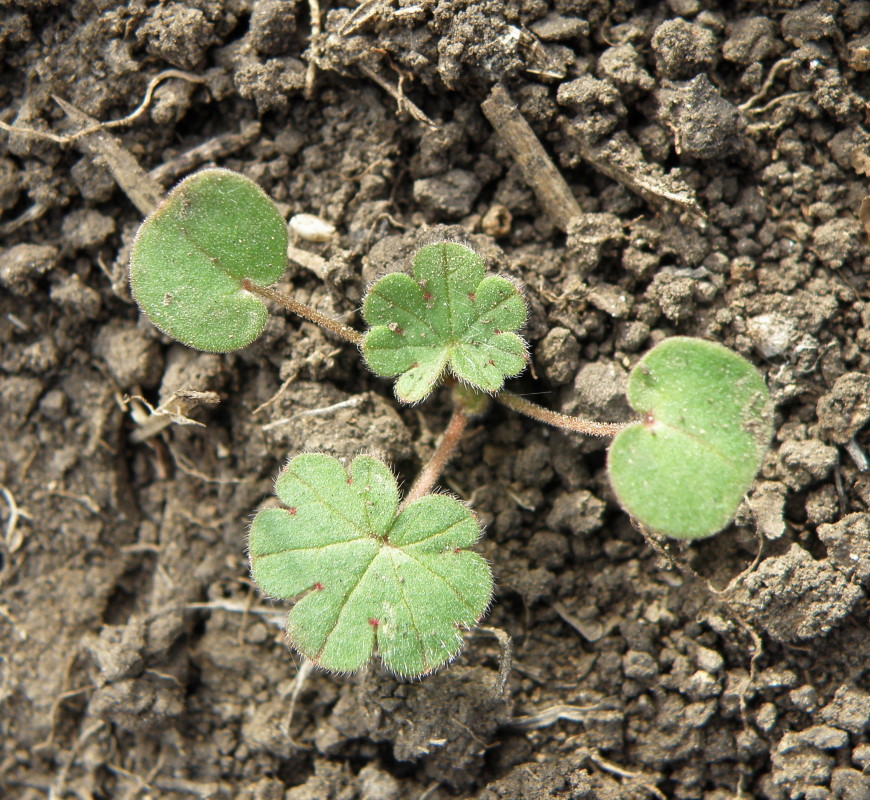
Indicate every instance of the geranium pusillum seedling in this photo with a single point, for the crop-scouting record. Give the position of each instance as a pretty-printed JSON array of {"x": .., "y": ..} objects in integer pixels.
[
  {"x": 374, "y": 576},
  {"x": 369, "y": 576}
]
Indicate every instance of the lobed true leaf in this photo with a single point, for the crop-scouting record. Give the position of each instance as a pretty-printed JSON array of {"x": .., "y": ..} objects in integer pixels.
[
  {"x": 368, "y": 575},
  {"x": 448, "y": 317}
]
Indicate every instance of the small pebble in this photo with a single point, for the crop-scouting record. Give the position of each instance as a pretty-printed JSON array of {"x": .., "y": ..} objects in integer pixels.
[
  {"x": 310, "y": 228},
  {"x": 497, "y": 221}
]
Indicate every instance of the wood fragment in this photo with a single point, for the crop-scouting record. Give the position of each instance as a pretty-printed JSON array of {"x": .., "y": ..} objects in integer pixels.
[
  {"x": 174, "y": 411},
  {"x": 311, "y": 261},
  {"x": 105, "y": 148},
  {"x": 314, "y": 40},
  {"x": 590, "y": 630},
  {"x": 210, "y": 150},
  {"x": 620, "y": 159},
  {"x": 365, "y": 11},
  {"x": 864, "y": 214},
  {"x": 858, "y": 456},
  {"x": 552, "y": 714},
  {"x": 540, "y": 173},
  {"x": 397, "y": 93},
  {"x": 505, "y": 660}
]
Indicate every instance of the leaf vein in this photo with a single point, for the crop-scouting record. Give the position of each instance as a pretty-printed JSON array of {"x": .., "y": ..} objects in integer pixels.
[
  {"x": 326, "y": 505},
  {"x": 432, "y": 535},
  {"x": 415, "y": 314},
  {"x": 408, "y": 608},
  {"x": 303, "y": 549},
  {"x": 476, "y": 315},
  {"x": 442, "y": 578},
  {"x": 343, "y": 605}
]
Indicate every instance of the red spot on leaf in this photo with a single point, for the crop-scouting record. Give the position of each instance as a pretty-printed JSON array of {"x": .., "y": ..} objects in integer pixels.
[
  {"x": 471, "y": 296},
  {"x": 292, "y": 511},
  {"x": 318, "y": 586},
  {"x": 648, "y": 418},
  {"x": 491, "y": 363},
  {"x": 456, "y": 550},
  {"x": 374, "y": 622},
  {"x": 496, "y": 331},
  {"x": 427, "y": 296},
  {"x": 349, "y": 481}
]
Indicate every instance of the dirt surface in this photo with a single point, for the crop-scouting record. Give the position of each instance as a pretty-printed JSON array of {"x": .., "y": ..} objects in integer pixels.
[{"x": 715, "y": 157}]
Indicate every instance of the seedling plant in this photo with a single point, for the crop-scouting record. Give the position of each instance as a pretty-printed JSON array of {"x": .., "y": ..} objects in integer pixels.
[{"x": 369, "y": 571}]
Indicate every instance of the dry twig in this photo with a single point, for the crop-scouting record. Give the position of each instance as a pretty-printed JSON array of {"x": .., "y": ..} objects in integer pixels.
[
  {"x": 143, "y": 192},
  {"x": 95, "y": 125},
  {"x": 14, "y": 538},
  {"x": 552, "y": 714},
  {"x": 398, "y": 94},
  {"x": 316, "y": 28},
  {"x": 590, "y": 630},
  {"x": 540, "y": 173},
  {"x": 505, "y": 655},
  {"x": 210, "y": 150},
  {"x": 173, "y": 411},
  {"x": 620, "y": 159}
]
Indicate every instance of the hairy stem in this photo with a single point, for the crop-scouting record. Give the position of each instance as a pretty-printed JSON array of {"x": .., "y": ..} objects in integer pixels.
[
  {"x": 306, "y": 312},
  {"x": 533, "y": 410},
  {"x": 446, "y": 447}
]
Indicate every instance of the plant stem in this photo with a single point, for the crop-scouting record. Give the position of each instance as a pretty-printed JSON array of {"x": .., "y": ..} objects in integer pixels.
[
  {"x": 306, "y": 312},
  {"x": 446, "y": 447},
  {"x": 533, "y": 410}
]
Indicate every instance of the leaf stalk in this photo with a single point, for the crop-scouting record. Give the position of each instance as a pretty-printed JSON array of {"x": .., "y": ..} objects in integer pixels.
[
  {"x": 306, "y": 312},
  {"x": 443, "y": 453},
  {"x": 585, "y": 426}
]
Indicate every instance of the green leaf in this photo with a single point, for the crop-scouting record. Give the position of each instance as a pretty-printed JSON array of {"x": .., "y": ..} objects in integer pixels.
[
  {"x": 707, "y": 421},
  {"x": 371, "y": 576},
  {"x": 191, "y": 254},
  {"x": 447, "y": 317}
]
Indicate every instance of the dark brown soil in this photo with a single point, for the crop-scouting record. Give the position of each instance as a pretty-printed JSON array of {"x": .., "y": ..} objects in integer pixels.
[{"x": 717, "y": 154}]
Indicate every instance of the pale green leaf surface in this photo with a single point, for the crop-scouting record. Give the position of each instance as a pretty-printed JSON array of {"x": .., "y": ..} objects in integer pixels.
[
  {"x": 447, "y": 317},
  {"x": 372, "y": 577},
  {"x": 683, "y": 470},
  {"x": 188, "y": 260}
]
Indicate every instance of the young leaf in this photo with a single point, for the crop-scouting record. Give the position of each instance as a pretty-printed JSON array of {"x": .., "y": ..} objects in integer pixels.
[
  {"x": 683, "y": 470},
  {"x": 372, "y": 576},
  {"x": 448, "y": 316},
  {"x": 191, "y": 254}
]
